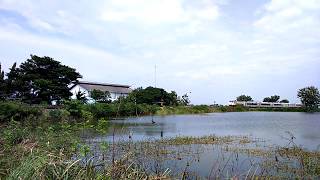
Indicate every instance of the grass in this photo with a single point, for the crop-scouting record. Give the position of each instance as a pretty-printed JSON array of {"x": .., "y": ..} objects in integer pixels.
[
  {"x": 55, "y": 151},
  {"x": 200, "y": 109},
  {"x": 46, "y": 144}
]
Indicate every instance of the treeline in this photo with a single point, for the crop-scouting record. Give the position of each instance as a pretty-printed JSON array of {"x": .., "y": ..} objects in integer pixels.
[
  {"x": 309, "y": 96},
  {"x": 28, "y": 90}
]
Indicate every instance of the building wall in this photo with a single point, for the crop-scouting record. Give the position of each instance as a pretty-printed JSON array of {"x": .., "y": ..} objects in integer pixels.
[
  {"x": 77, "y": 88},
  {"x": 75, "y": 91},
  {"x": 263, "y": 104}
]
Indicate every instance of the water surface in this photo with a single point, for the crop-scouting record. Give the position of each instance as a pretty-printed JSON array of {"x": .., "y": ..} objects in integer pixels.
[{"x": 270, "y": 126}]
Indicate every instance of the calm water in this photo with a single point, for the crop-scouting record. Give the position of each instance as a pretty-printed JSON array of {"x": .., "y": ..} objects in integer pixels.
[
  {"x": 203, "y": 160},
  {"x": 271, "y": 126}
]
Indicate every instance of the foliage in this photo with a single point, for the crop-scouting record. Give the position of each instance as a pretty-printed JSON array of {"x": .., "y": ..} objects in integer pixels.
[
  {"x": 74, "y": 107},
  {"x": 17, "y": 111},
  {"x": 14, "y": 133},
  {"x": 34, "y": 152},
  {"x": 197, "y": 109},
  {"x": 185, "y": 100},
  {"x": 284, "y": 101},
  {"x": 123, "y": 108},
  {"x": 100, "y": 96},
  {"x": 103, "y": 125},
  {"x": 59, "y": 115},
  {"x": 87, "y": 116},
  {"x": 80, "y": 96},
  {"x": 41, "y": 79},
  {"x": 244, "y": 98},
  {"x": 274, "y": 98},
  {"x": 310, "y": 97},
  {"x": 2, "y": 85},
  {"x": 13, "y": 83},
  {"x": 152, "y": 95}
]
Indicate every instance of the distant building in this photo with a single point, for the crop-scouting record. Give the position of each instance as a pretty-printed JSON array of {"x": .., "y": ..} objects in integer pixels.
[
  {"x": 254, "y": 104},
  {"x": 115, "y": 90}
]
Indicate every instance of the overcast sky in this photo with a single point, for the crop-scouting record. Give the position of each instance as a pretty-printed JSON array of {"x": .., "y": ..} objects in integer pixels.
[{"x": 215, "y": 49}]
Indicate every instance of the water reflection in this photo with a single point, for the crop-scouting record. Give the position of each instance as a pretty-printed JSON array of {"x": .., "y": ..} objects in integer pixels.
[{"x": 271, "y": 126}]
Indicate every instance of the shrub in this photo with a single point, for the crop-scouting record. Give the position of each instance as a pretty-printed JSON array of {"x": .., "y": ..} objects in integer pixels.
[
  {"x": 59, "y": 115},
  {"x": 74, "y": 107},
  {"x": 14, "y": 133},
  {"x": 86, "y": 116},
  {"x": 17, "y": 111},
  {"x": 101, "y": 110},
  {"x": 103, "y": 125}
]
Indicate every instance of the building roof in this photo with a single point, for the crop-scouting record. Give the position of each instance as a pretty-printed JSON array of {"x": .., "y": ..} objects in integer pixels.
[{"x": 112, "y": 88}]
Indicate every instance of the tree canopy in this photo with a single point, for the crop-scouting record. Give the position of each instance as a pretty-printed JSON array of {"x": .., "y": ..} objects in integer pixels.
[
  {"x": 310, "y": 97},
  {"x": 274, "y": 98},
  {"x": 244, "y": 98},
  {"x": 284, "y": 101},
  {"x": 152, "y": 95},
  {"x": 100, "y": 96},
  {"x": 41, "y": 79}
]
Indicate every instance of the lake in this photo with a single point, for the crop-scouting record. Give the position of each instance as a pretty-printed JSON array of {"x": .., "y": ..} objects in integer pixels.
[
  {"x": 270, "y": 126},
  {"x": 268, "y": 129}
]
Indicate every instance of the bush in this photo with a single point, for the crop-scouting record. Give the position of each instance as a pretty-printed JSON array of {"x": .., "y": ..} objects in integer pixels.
[
  {"x": 74, "y": 107},
  {"x": 14, "y": 133},
  {"x": 17, "y": 111},
  {"x": 86, "y": 116},
  {"x": 101, "y": 110},
  {"x": 59, "y": 115},
  {"x": 103, "y": 125}
]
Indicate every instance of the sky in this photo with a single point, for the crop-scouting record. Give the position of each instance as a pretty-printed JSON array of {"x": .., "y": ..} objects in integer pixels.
[{"x": 214, "y": 50}]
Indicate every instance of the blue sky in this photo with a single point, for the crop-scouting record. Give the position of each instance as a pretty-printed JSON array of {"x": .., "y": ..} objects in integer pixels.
[{"x": 215, "y": 49}]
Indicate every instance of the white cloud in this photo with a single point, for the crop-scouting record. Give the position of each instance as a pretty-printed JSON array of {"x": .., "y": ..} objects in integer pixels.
[
  {"x": 193, "y": 43},
  {"x": 156, "y": 11},
  {"x": 281, "y": 16}
]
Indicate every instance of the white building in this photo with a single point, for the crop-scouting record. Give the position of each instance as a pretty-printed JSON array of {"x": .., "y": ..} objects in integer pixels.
[
  {"x": 115, "y": 90},
  {"x": 263, "y": 104}
]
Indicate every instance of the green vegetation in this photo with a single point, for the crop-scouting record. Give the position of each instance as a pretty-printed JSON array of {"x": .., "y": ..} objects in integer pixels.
[
  {"x": 244, "y": 98},
  {"x": 152, "y": 95},
  {"x": 100, "y": 96},
  {"x": 284, "y": 101},
  {"x": 310, "y": 98},
  {"x": 40, "y": 79},
  {"x": 39, "y": 141},
  {"x": 274, "y": 98}
]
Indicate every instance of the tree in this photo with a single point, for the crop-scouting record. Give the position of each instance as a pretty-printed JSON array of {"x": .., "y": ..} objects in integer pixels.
[
  {"x": 310, "y": 97},
  {"x": 41, "y": 79},
  {"x": 100, "y": 96},
  {"x": 14, "y": 83},
  {"x": 80, "y": 96},
  {"x": 274, "y": 98},
  {"x": 2, "y": 85},
  {"x": 152, "y": 95},
  {"x": 185, "y": 100},
  {"x": 284, "y": 101},
  {"x": 173, "y": 98},
  {"x": 244, "y": 98}
]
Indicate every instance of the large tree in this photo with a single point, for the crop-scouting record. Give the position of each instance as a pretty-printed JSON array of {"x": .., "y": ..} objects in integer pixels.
[
  {"x": 41, "y": 79},
  {"x": 244, "y": 98},
  {"x": 310, "y": 97},
  {"x": 274, "y": 98},
  {"x": 152, "y": 95}
]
